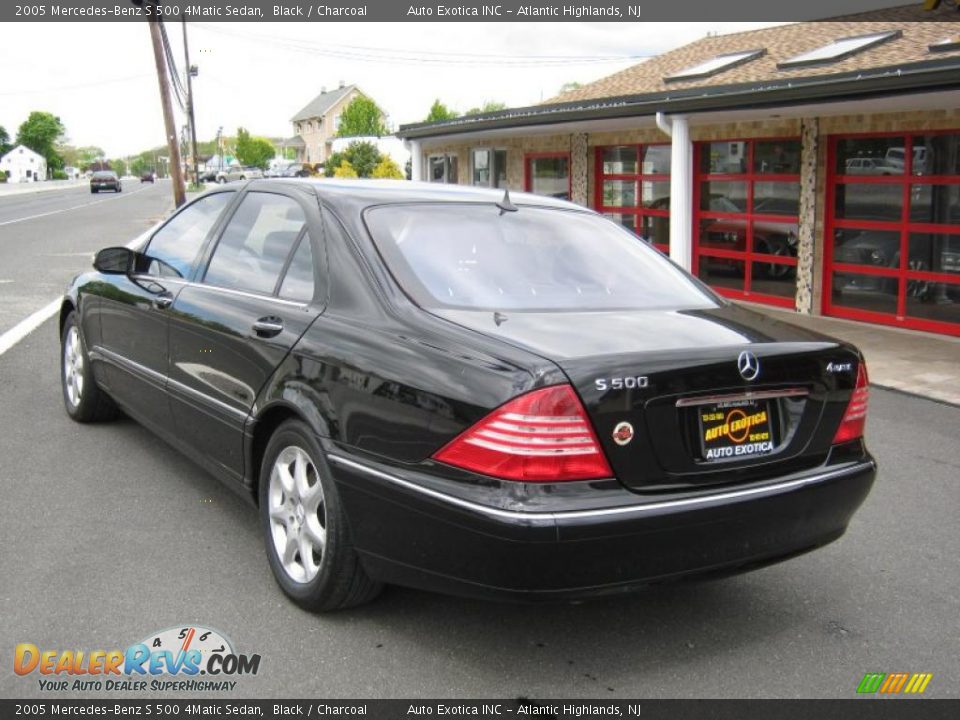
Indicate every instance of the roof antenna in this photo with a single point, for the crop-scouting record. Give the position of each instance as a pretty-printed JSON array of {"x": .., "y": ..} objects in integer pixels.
[{"x": 505, "y": 205}]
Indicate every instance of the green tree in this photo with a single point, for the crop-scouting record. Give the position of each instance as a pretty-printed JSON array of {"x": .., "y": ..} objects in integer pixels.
[
  {"x": 5, "y": 146},
  {"x": 119, "y": 166},
  {"x": 570, "y": 87},
  {"x": 362, "y": 156},
  {"x": 345, "y": 170},
  {"x": 253, "y": 151},
  {"x": 41, "y": 132},
  {"x": 88, "y": 155},
  {"x": 488, "y": 106},
  {"x": 362, "y": 118},
  {"x": 387, "y": 169},
  {"x": 439, "y": 111}
]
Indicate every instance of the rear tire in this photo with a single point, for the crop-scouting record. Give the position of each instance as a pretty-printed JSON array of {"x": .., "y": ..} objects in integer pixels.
[
  {"x": 83, "y": 399},
  {"x": 304, "y": 525}
]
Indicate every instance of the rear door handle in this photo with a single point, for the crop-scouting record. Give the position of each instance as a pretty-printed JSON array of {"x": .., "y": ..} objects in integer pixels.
[
  {"x": 163, "y": 300},
  {"x": 268, "y": 326}
]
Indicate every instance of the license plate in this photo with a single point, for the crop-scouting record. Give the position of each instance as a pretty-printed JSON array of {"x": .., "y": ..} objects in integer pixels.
[{"x": 737, "y": 429}]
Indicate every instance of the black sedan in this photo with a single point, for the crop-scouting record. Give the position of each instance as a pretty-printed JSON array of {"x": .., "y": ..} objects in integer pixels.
[
  {"x": 105, "y": 180},
  {"x": 457, "y": 390}
]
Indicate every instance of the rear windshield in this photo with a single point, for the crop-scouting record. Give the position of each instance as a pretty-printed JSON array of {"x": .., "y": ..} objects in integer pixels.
[
  {"x": 104, "y": 174},
  {"x": 472, "y": 256}
]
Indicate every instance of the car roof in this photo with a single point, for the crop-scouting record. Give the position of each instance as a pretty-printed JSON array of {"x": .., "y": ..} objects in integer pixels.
[{"x": 378, "y": 192}]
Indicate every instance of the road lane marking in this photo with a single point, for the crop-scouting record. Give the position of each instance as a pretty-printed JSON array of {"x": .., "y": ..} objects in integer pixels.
[
  {"x": 26, "y": 326},
  {"x": 118, "y": 196}
]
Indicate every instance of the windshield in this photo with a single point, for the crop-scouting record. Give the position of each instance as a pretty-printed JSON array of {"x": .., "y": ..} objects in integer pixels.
[{"x": 472, "y": 256}]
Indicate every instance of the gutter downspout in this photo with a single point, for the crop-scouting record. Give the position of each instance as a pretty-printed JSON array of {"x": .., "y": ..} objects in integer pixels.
[{"x": 681, "y": 187}]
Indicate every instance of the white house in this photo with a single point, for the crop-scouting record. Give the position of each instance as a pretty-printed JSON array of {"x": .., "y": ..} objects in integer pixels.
[{"x": 23, "y": 165}]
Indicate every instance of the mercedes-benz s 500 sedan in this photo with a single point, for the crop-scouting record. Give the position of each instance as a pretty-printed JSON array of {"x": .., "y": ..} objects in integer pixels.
[{"x": 454, "y": 389}]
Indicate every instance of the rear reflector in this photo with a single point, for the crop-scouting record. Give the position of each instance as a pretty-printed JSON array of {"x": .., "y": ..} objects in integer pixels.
[
  {"x": 851, "y": 427},
  {"x": 543, "y": 436}
]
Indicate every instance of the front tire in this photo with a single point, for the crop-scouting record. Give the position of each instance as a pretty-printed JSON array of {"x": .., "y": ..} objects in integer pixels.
[
  {"x": 83, "y": 400},
  {"x": 305, "y": 528}
]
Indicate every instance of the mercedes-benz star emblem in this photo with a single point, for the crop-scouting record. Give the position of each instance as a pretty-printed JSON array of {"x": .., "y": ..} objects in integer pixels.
[{"x": 748, "y": 365}]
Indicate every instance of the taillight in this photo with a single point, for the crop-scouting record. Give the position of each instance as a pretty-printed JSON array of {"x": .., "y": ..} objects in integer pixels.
[
  {"x": 542, "y": 436},
  {"x": 851, "y": 427}
]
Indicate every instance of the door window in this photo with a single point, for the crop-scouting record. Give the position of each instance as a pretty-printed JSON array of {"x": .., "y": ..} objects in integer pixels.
[
  {"x": 175, "y": 246},
  {"x": 298, "y": 282},
  {"x": 255, "y": 244}
]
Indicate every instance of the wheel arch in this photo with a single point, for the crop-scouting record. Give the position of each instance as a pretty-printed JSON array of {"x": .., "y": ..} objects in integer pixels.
[
  {"x": 66, "y": 307},
  {"x": 261, "y": 430}
]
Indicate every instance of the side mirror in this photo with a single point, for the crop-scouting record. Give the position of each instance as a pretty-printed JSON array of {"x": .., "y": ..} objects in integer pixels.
[{"x": 114, "y": 261}]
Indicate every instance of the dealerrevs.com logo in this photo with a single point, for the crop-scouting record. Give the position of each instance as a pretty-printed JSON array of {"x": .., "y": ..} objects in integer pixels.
[{"x": 171, "y": 660}]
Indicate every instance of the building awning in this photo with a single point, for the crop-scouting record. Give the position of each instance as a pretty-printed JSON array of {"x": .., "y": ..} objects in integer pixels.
[{"x": 929, "y": 76}]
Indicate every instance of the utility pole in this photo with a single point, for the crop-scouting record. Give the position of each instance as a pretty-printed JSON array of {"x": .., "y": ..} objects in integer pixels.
[
  {"x": 191, "y": 71},
  {"x": 179, "y": 198}
]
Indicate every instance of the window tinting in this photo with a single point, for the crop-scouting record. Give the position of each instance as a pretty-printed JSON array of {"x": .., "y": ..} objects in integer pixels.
[
  {"x": 472, "y": 256},
  {"x": 298, "y": 282},
  {"x": 256, "y": 242},
  {"x": 177, "y": 243}
]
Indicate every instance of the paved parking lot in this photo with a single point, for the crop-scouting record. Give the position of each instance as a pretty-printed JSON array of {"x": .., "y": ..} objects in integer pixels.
[{"x": 108, "y": 535}]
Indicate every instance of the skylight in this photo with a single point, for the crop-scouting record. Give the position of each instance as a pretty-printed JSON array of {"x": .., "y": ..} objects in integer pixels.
[
  {"x": 839, "y": 49},
  {"x": 950, "y": 43},
  {"x": 714, "y": 65}
]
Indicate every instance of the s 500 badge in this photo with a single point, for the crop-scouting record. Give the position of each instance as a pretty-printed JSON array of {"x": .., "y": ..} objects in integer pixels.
[{"x": 622, "y": 383}]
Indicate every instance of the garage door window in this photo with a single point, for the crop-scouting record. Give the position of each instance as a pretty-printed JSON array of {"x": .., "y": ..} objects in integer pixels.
[
  {"x": 892, "y": 248},
  {"x": 746, "y": 203},
  {"x": 633, "y": 189}
]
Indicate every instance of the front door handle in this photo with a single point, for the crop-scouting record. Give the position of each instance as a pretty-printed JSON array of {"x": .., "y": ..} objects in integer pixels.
[
  {"x": 163, "y": 300},
  {"x": 268, "y": 326}
]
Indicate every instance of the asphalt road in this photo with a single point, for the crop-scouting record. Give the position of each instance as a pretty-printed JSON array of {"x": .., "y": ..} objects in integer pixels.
[
  {"x": 46, "y": 238},
  {"x": 108, "y": 535}
]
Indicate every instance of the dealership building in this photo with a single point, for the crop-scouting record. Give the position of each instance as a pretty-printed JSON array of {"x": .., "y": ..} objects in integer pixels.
[{"x": 813, "y": 166}]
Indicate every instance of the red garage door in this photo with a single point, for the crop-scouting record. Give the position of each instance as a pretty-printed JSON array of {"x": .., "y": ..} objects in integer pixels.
[
  {"x": 746, "y": 202},
  {"x": 892, "y": 234}
]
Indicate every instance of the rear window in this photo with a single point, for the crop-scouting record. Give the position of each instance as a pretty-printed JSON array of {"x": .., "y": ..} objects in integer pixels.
[{"x": 472, "y": 256}]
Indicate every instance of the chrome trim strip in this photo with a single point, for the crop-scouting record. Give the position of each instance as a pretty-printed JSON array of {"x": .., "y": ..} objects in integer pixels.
[
  {"x": 737, "y": 397},
  {"x": 639, "y": 510},
  {"x": 162, "y": 380},
  {"x": 128, "y": 364},
  {"x": 208, "y": 399},
  {"x": 230, "y": 291}
]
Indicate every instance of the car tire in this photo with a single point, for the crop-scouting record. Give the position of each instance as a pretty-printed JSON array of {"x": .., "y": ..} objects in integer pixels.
[
  {"x": 300, "y": 511},
  {"x": 82, "y": 398},
  {"x": 93, "y": 191}
]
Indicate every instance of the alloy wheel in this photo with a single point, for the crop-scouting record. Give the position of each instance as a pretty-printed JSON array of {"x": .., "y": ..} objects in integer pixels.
[
  {"x": 298, "y": 522},
  {"x": 73, "y": 366}
]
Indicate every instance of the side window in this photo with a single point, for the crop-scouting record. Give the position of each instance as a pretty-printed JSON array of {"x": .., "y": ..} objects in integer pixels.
[
  {"x": 177, "y": 243},
  {"x": 298, "y": 282},
  {"x": 256, "y": 243}
]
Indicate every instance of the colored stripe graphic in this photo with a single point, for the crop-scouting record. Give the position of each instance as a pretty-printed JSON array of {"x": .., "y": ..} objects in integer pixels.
[{"x": 894, "y": 683}]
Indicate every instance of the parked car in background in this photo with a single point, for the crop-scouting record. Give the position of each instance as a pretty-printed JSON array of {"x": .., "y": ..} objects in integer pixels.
[
  {"x": 105, "y": 180},
  {"x": 871, "y": 166},
  {"x": 458, "y": 390},
  {"x": 296, "y": 170},
  {"x": 231, "y": 173},
  {"x": 251, "y": 173}
]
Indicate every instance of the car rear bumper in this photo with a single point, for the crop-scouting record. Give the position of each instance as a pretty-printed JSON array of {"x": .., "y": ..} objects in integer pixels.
[{"x": 414, "y": 535}]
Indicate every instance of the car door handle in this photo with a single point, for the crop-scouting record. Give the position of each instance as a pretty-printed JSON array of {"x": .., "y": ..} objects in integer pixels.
[
  {"x": 268, "y": 326},
  {"x": 163, "y": 300}
]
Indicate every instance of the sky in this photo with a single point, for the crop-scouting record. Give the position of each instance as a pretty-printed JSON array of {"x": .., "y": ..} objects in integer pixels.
[{"x": 100, "y": 78}]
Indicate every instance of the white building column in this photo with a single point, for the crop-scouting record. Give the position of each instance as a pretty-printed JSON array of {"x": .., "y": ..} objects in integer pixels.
[
  {"x": 416, "y": 160},
  {"x": 681, "y": 188}
]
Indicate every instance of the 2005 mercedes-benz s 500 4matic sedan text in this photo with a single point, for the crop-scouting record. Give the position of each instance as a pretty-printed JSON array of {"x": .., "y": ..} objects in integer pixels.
[{"x": 453, "y": 389}]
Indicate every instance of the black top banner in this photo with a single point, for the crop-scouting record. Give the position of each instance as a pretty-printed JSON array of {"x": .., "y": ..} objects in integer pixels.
[
  {"x": 456, "y": 11},
  {"x": 588, "y": 709}
]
